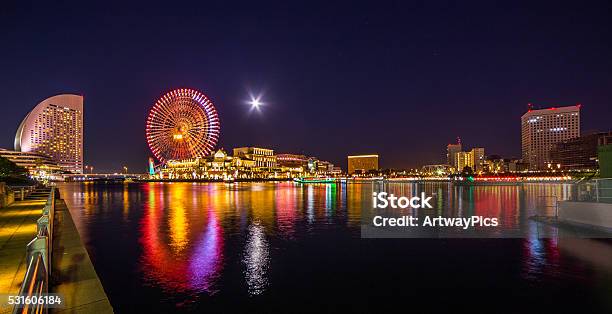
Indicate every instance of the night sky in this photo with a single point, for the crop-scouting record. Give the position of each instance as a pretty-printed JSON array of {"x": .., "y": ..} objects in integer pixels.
[{"x": 402, "y": 79}]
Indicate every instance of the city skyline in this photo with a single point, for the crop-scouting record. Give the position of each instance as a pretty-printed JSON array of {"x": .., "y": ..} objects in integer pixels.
[{"x": 313, "y": 105}]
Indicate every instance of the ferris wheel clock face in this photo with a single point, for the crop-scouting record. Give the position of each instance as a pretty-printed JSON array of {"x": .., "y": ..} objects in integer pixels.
[{"x": 182, "y": 124}]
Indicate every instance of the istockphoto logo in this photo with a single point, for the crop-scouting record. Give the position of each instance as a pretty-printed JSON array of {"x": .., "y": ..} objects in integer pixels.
[
  {"x": 384, "y": 200},
  {"x": 412, "y": 216}
]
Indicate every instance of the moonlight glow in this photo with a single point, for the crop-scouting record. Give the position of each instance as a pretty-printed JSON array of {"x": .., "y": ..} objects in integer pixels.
[{"x": 255, "y": 102}]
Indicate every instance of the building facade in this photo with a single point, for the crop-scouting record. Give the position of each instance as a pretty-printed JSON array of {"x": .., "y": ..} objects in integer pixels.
[
  {"x": 54, "y": 128},
  {"x": 263, "y": 157},
  {"x": 477, "y": 156},
  {"x": 542, "y": 129},
  {"x": 310, "y": 165},
  {"x": 439, "y": 170},
  {"x": 291, "y": 160},
  {"x": 496, "y": 164},
  {"x": 38, "y": 165},
  {"x": 451, "y": 154},
  {"x": 475, "y": 159},
  {"x": 579, "y": 153},
  {"x": 462, "y": 160},
  {"x": 604, "y": 156},
  {"x": 221, "y": 166},
  {"x": 362, "y": 163},
  {"x": 246, "y": 163}
]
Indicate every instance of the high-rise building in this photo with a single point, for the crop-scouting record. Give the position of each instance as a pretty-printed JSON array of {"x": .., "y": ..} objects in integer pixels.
[
  {"x": 263, "y": 157},
  {"x": 543, "y": 128},
  {"x": 477, "y": 157},
  {"x": 54, "y": 128},
  {"x": 473, "y": 159},
  {"x": 462, "y": 160},
  {"x": 362, "y": 163},
  {"x": 451, "y": 153}
]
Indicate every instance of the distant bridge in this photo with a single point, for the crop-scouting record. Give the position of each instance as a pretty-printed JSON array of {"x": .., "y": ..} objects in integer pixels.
[{"x": 102, "y": 176}]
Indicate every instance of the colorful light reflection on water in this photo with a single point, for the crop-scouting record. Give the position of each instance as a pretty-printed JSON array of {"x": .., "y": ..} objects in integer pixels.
[{"x": 188, "y": 246}]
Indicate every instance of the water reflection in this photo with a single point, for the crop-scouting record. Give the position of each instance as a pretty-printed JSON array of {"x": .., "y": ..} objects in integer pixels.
[
  {"x": 541, "y": 257},
  {"x": 286, "y": 198},
  {"x": 205, "y": 239},
  {"x": 206, "y": 263},
  {"x": 178, "y": 223},
  {"x": 256, "y": 259},
  {"x": 190, "y": 257}
]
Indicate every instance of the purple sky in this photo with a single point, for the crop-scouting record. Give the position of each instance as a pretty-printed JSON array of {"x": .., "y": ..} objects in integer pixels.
[{"x": 394, "y": 78}]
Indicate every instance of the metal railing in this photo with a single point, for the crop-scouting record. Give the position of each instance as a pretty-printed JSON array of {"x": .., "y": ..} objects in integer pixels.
[
  {"x": 20, "y": 192},
  {"x": 36, "y": 280},
  {"x": 547, "y": 206},
  {"x": 595, "y": 190}
]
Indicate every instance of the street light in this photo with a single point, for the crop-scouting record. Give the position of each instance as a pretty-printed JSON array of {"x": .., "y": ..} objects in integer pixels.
[{"x": 125, "y": 169}]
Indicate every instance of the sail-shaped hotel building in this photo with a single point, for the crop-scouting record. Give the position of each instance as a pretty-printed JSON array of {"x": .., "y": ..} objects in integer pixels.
[{"x": 55, "y": 128}]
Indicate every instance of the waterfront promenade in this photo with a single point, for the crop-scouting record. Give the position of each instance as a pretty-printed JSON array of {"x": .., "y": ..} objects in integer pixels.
[
  {"x": 17, "y": 229},
  {"x": 74, "y": 276}
]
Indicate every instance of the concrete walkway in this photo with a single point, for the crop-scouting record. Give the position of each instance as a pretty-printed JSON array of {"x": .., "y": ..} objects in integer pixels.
[
  {"x": 73, "y": 273},
  {"x": 17, "y": 229}
]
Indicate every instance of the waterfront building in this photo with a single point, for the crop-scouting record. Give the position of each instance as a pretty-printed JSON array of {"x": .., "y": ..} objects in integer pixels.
[
  {"x": 579, "y": 153},
  {"x": 604, "y": 156},
  {"x": 362, "y": 163},
  {"x": 246, "y": 163},
  {"x": 473, "y": 159},
  {"x": 451, "y": 153},
  {"x": 54, "y": 128},
  {"x": 291, "y": 160},
  {"x": 477, "y": 156},
  {"x": 263, "y": 157},
  {"x": 436, "y": 170},
  {"x": 543, "y": 128},
  {"x": 458, "y": 159},
  {"x": 462, "y": 160},
  {"x": 218, "y": 166},
  {"x": 221, "y": 166},
  {"x": 310, "y": 165},
  {"x": 38, "y": 165},
  {"x": 497, "y": 164},
  {"x": 324, "y": 167},
  {"x": 314, "y": 166}
]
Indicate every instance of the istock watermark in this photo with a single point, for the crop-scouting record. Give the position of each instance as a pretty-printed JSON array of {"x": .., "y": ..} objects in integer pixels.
[
  {"x": 439, "y": 221},
  {"x": 384, "y": 200},
  {"x": 465, "y": 210},
  {"x": 420, "y": 214}
]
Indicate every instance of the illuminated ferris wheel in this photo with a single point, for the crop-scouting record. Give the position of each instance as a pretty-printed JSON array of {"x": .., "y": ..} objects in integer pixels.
[{"x": 182, "y": 124}]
